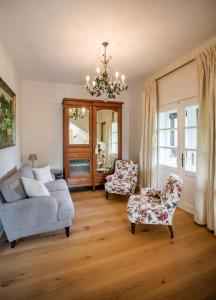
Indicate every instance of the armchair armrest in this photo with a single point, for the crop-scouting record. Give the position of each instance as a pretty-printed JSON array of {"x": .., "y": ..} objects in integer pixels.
[
  {"x": 151, "y": 192},
  {"x": 110, "y": 177}
]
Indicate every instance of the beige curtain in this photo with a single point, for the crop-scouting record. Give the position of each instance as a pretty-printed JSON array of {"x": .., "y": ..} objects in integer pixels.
[
  {"x": 148, "y": 149},
  {"x": 205, "y": 207}
]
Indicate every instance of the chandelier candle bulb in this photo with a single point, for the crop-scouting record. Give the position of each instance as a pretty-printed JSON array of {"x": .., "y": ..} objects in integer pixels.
[
  {"x": 117, "y": 75},
  {"x": 93, "y": 83},
  {"x": 87, "y": 79},
  {"x": 123, "y": 78},
  {"x": 98, "y": 70}
]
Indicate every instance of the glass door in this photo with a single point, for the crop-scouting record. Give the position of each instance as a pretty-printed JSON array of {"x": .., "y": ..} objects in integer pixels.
[
  {"x": 106, "y": 149},
  {"x": 78, "y": 142},
  {"x": 177, "y": 147}
]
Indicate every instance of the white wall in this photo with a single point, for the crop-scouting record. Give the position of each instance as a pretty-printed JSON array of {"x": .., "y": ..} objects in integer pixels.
[
  {"x": 10, "y": 157},
  {"x": 42, "y": 120}
]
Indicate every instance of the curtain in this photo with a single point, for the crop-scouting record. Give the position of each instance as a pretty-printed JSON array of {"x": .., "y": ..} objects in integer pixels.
[
  {"x": 148, "y": 149},
  {"x": 205, "y": 205}
]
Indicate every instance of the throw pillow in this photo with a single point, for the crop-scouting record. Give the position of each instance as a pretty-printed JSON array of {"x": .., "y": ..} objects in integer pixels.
[
  {"x": 34, "y": 188},
  {"x": 43, "y": 174}
]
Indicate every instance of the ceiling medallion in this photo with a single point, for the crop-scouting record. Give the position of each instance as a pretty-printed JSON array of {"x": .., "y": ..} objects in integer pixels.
[{"x": 103, "y": 84}]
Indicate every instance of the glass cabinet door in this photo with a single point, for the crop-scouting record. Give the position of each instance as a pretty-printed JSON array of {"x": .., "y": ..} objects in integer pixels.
[
  {"x": 107, "y": 140},
  {"x": 79, "y": 167},
  {"x": 78, "y": 126}
]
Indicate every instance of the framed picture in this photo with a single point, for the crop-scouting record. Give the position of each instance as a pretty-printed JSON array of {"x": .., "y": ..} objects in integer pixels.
[{"x": 7, "y": 116}]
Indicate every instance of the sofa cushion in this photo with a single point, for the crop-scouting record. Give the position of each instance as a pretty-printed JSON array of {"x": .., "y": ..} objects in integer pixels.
[
  {"x": 65, "y": 204},
  {"x": 34, "y": 188},
  {"x": 57, "y": 185},
  {"x": 43, "y": 174},
  {"x": 12, "y": 188},
  {"x": 26, "y": 171}
]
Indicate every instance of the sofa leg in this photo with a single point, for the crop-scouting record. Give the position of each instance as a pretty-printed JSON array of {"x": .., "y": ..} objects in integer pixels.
[
  {"x": 107, "y": 195},
  {"x": 67, "y": 230},
  {"x": 13, "y": 244},
  {"x": 171, "y": 231},
  {"x": 133, "y": 226}
]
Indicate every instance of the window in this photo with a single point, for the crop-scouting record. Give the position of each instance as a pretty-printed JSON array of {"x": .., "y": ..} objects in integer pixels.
[
  {"x": 168, "y": 138},
  {"x": 114, "y": 138},
  {"x": 191, "y": 117}
]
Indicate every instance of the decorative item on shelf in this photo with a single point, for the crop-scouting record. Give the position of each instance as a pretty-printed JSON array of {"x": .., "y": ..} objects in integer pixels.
[
  {"x": 103, "y": 84},
  {"x": 33, "y": 158},
  {"x": 77, "y": 113}
]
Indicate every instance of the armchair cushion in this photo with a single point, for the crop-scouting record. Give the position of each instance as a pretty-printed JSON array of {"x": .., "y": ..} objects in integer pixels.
[{"x": 145, "y": 210}]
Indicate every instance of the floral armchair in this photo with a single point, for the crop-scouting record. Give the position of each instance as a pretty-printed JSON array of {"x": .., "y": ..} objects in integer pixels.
[
  {"x": 124, "y": 179},
  {"x": 154, "y": 206}
]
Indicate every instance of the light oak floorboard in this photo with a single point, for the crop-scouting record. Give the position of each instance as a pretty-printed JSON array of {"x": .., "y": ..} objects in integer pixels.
[{"x": 102, "y": 259}]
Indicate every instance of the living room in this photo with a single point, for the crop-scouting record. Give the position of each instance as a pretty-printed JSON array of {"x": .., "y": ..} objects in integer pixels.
[{"x": 69, "y": 132}]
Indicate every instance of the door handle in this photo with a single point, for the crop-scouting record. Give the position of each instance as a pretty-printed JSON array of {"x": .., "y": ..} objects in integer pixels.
[{"x": 182, "y": 159}]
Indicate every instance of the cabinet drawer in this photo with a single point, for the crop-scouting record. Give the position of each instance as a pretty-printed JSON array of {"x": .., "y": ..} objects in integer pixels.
[{"x": 76, "y": 182}]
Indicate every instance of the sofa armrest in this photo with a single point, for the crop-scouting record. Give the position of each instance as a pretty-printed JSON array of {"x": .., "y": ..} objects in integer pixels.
[{"x": 27, "y": 214}]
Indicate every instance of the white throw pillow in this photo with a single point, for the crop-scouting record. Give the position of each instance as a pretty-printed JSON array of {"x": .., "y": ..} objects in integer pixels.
[
  {"x": 34, "y": 188},
  {"x": 43, "y": 174}
]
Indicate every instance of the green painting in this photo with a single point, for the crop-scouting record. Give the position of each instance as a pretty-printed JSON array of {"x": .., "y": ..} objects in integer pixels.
[{"x": 7, "y": 116}]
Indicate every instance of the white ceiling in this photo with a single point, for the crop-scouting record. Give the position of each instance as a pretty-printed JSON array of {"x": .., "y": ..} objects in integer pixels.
[{"x": 60, "y": 40}]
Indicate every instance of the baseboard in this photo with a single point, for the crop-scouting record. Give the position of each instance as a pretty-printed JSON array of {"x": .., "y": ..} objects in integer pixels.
[{"x": 188, "y": 208}]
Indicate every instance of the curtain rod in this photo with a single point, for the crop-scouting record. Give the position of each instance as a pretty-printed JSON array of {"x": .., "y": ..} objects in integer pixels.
[{"x": 177, "y": 68}]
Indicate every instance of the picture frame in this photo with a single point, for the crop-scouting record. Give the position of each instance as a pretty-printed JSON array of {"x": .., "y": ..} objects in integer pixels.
[{"x": 7, "y": 116}]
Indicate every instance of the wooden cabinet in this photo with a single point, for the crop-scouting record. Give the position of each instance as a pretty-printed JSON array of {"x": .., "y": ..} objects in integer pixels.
[{"x": 92, "y": 139}]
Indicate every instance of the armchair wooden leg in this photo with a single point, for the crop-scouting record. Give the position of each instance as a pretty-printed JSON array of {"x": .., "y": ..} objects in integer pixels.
[
  {"x": 107, "y": 195},
  {"x": 13, "y": 244},
  {"x": 133, "y": 226},
  {"x": 171, "y": 231},
  {"x": 67, "y": 230}
]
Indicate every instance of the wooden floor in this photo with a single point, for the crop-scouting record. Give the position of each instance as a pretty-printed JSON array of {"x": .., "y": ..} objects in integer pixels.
[{"x": 103, "y": 260}]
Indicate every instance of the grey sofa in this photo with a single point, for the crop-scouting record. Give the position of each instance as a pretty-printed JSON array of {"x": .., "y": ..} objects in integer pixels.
[{"x": 21, "y": 216}]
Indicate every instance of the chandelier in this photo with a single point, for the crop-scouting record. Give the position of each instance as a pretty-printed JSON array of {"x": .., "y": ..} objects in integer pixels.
[
  {"x": 103, "y": 84},
  {"x": 77, "y": 113}
]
